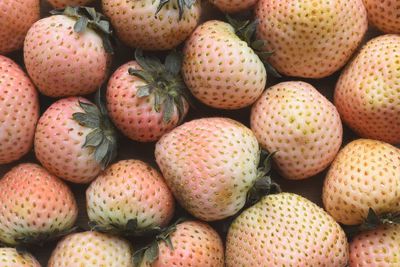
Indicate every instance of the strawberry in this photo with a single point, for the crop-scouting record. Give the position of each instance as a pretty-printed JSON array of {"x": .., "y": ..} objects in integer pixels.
[
  {"x": 221, "y": 69},
  {"x": 91, "y": 249},
  {"x": 65, "y": 3},
  {"x": 35, "y": 205},
  {"x": 295, "y": 120},
  {"x": 311, "y": 38},
  {"x": 74, "y": 140},
  {"x": 365, "y": 174},
  {"x": 367, "y": 94},
  {"x": 10, "y": 257},
  {"x": 16, "y": 17},
  {"x": 68, "y": 54},
  {"x": 129, "y": 197},
  {"x": 19, "y": 111},
  {"x": 210, "y": 164},
  {"x": 384, "y": 14},
  {"x": 153, "y": 25},
  {"x": 190, "y": 243},
  {"x": 229, "y": 6},
  {"x": 285, "y": 230},
  {"x": 146, "y": 98},
  {"x": 379, "y": 247}
]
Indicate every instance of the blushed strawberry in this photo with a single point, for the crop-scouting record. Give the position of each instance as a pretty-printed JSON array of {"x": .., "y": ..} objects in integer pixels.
[
  {"x": 233, "y": 6},
  {"x": 210, "y": 165},
  {"x": 367, "y": 94},
  {"x": 92, "y": 249},
  {"x": 379, "y": 247},
  {"x": 220, "y": 69},
  {"x": 295, "y": 120},
  {"x": 384, "y": 14},
  {"x": 16, "y": 17},
  {"x": 129, "y": 197},
  {"x": 65, "y": 3},
  {"x": 68, "y": 54},
  {"x": 190, "y": 243},
  {"x": 74, "y": 140},
  {"x": 285, "y": 230},
  {"x": 310, "y": 39},
  {"x": 35, "y": 206},
  {"x": 153, "y": 25},
  {"x": 19, "y": 111},
  {"x": 364, "y": 175},
  {"x": 10, "y": 257},
  {"x": 145, "y": 98}
]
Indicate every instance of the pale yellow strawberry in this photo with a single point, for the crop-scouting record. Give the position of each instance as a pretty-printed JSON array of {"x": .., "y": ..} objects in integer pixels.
[
  {"x": 384, "y": 14},
  {"x": 365, "y": 174}
]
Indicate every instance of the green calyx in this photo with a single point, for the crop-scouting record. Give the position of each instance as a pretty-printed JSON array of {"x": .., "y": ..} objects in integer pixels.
[
  {"x": 130, "y": 229},
  {"x": 88, "y": 17},
  {"x": 246, "y": 31},
  {"x": 40, "y": 238},
  {"x": 182, "y": 4},
  {"x": 149, "y": 253},
  {"x": 264, "y": 185},
  {"x": 163, "y": 81},
  {"x": 374, "y": 220},
  {"x": 103, "y": 137}
]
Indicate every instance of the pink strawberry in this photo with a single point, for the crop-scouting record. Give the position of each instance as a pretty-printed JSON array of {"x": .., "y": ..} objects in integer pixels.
[
  {"x": 146, "y": 98},
  {"x": 295, "y": 120},
  {"x": 384, "y": 14},
  {"x": 35, "y": 205},
  {"x": 9, "y": 257},
  {"x": 376, "y": 248},
  {"x": 365, "y": 174},
  {"x": 221, "y": 69},
  {"x": 16, "y": 17},
  {"x": 190, "y": 243},
  {"x": 66, "y": 54},
  {"x": 311, "y": 39},
  {"x": 153, "y": 25},
  {"x": 285, "y": 230},
  {"x": 367, "y": 94},
  {"x": 229, "y": 6},
  {"x": 210, "y": 164},
  {"x": 92, "y": 249},
  {"x": 129, "y": 196},
  {"x": 65, "y": 3},
  {"x": 74, "y": 140},
  {"x": 19, "y": 111}
]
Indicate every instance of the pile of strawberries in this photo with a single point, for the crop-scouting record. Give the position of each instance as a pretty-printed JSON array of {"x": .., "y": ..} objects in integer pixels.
[{"x": 215, "y": 170}]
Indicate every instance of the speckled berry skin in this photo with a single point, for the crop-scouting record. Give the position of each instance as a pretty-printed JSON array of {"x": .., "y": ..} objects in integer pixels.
[
  {"x": 33, "y": 201},
  {"x": 367, "y": 94},
  {"x": 19, "y": 111},
  {"x": 130, "y": 189},
  {"x": 92, "y": 249},
  {"x": 365, "y": 174},
  {"x": 298, "y": 122},
  {"x": 62, "y": 62},
  {"x": 136, "y": 117},
  {"x": 310, "y": 38},
  {"x": 384, "y": 14},
  {"x": 65, "y": 3},
  {"x": 220, "y": 69},
  {"x": 196, "y": 244},
  {"x": 59, "y": 143},
  {"x": 233, "y": 6},
  {"x": 209, "y": 164},
  {"x": 137, "y": 25},
  {"x": 285, "y": 230},
  {"x": 16, "y": 17},
  {"x": 9, "y": 257},
  {"x": 376, "y": 248}
]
